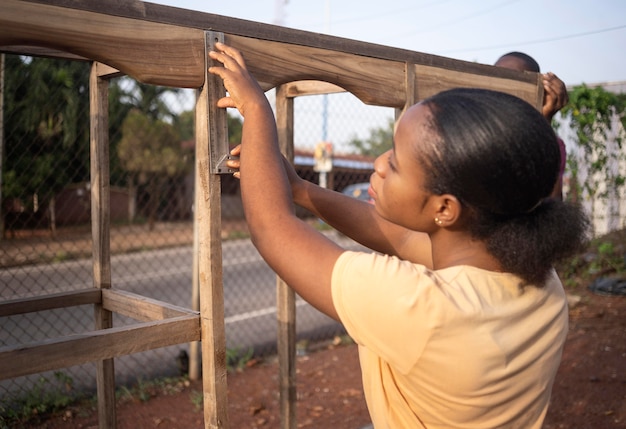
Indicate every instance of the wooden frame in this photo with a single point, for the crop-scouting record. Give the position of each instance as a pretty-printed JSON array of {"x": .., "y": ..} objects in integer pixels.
[
  {"x": 161, "y": 325},
  {"x": 167, "y": 46}
]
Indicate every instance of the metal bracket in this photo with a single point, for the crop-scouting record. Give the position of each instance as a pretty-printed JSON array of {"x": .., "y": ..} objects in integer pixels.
[{"x": 219, "y": 151}]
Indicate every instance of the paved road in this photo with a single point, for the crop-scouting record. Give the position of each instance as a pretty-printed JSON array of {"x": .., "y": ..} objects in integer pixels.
[{"x": 249, "y": 302}]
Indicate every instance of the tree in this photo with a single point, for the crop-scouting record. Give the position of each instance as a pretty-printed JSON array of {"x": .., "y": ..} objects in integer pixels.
[
  {"x": 151, "y": 150},
  {"x": 47, "y": 129},
  {"x": 379, "y": 141},
  {"x": 185, "y": 125}
]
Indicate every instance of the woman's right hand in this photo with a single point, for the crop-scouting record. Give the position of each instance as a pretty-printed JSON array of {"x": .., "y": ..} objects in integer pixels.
[
  {"x": 233, "y": 160},
  {"x": 295, "y": 181}
]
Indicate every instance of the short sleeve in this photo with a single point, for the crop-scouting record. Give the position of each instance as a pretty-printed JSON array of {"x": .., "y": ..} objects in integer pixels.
[{"x": 385, "y": 305}]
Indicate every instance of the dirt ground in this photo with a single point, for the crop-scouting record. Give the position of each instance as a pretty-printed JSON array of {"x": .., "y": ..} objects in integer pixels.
[{"x": 589, "y": 392}]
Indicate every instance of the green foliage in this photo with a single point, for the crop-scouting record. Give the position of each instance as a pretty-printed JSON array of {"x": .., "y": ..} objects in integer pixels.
[
  {"x": 184, "y": 123},
  {"x": 119, "y": 106},
  {"x": 379, "y": 141},
  {"x": 149, "y": 100},
  {"x": 150, "y": 146},
  {"x": 47, "y": 396},
  {"x": 235, "y": 126},
  {"x": 236, "y": 360},
  {"x": 608, "y": 259},
  {"x": 605, "y": 255},
  {"x": 144, "y": 390},
  {"x": 151, "y": 150},
  {"x": 197, "y": 399},
  {"x": 591, "y": 112},
  {"x": 46, "y": 126}
]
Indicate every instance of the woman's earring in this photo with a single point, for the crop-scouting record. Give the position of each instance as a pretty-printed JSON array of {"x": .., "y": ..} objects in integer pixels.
[{"x": 438, "y": 221}]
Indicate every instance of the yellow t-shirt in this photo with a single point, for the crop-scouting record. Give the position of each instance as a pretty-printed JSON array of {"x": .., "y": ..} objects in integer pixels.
[{"x": 454, "y": 348}]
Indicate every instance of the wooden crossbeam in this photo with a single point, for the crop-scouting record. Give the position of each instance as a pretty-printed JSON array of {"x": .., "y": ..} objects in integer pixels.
[
  {"x": 139, "y": 307},
  {"x": 32, "y": 304},
  {"x": 165, "y": 46},
  {"x": 78, "y": 349}
]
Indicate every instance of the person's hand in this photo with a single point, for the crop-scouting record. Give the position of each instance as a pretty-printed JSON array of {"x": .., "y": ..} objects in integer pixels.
[
  {"x": 244, "y": 91},
  {"x": 234, "y": 163},
  {"x": 555, "y": 95}
]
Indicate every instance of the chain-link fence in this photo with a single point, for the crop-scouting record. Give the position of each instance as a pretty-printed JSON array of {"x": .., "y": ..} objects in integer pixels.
[
  {"x": 45, "y": 240},
  {"x": 46, "y": 233}
]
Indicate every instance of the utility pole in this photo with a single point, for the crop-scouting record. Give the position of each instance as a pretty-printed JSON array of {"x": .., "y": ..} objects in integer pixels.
[
  {"x": 279, "y": 12},
  {"x": 325, "y": 96}
]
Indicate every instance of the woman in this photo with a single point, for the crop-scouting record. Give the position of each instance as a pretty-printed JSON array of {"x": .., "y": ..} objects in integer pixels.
[{"x": 461, "y": 321}]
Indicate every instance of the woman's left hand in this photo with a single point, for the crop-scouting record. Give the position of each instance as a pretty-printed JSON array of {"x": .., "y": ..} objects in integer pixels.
[{"x": 244, "y": 91}]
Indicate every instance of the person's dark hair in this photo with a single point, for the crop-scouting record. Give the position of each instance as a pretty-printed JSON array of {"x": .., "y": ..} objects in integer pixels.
[
  {"x": 500, "y": 158},
  {"x": 530, "y": 63}
]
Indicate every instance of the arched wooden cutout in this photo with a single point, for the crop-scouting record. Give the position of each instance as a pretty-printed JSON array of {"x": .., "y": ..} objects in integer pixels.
[{"x": 165, "y": 46}]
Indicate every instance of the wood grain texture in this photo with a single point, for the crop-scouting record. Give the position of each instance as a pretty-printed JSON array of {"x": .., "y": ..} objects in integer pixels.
[
  {"x": 48, "y": 302},
  {"x": 151, "y": 52},
  {"x": 372, "y": 80},
  {"x": 285, "y": 296},
  {"x": 210, "y": 276},
  {"x": 93, "y": 346},
  {"x": 101, "y": 230},
  {"x": 431, "y": 80},
  {"x": 164, "y": 46},
  {"x": 310, "y": 87},
  {"x": 140, "y": 307}
]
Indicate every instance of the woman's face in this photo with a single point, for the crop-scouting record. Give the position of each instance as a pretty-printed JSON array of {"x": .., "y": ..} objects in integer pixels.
[{"x": 397, "y": 185}]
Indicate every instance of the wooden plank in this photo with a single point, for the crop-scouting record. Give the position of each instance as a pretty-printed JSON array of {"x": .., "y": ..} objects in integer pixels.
[
  {"x": 100, "y": 178},
  {"x": 37, "y": 51},
  {"x": 107, "y": 72},
  {"x": 218, "y": 133},
  {"x": 410, "y": 87},
  {"x": 100, "y": 233},
  {"x": 49, "y": 302},
  {"x": 285, "y": 296},
  {"x": 431, "y": 80},
  {"x": 162, "y": 45},
  {"x": 161, "y": 54},
  {"x": 50, "y": 354},
  {"x": 139, "y": 307},
  {"x": 208, "y": 218},
  {"x": 275, "y": 63},
  {"x": 310, "y": 87},
  {"x": 195, "y": 358},
  {"x": 207, "y": 21}
]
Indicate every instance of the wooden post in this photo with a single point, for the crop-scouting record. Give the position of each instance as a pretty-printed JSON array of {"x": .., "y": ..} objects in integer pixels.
[
  {"x": 210, "y": 128},
  {"x": 410, "y": 88},
  {"x": 100, "y": 230},
  {"x": 194, "y": 347},
  {"x": 285, "y": 296}
]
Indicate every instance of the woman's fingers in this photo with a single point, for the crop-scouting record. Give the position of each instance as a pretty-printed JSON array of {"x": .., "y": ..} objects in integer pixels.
[
  {"x": 233, "y": 161},
  {"x": 231, "y": 52},
  {"x": 230, "y": 57}
]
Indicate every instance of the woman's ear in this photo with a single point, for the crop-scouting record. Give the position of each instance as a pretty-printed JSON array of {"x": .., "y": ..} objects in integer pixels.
[{"x": 448, "y": 210}]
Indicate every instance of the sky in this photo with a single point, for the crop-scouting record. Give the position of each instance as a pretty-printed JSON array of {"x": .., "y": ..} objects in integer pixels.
[{"x": 579, "y": 40}]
